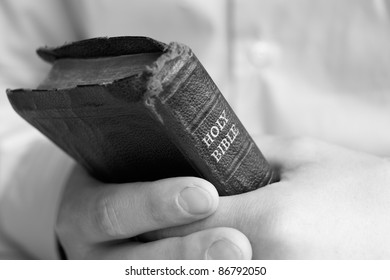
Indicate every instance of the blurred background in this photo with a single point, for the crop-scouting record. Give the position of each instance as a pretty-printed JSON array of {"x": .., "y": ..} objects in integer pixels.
[
  {"x": 317, "y": 68},
  {"x": 313, "y": 68}
]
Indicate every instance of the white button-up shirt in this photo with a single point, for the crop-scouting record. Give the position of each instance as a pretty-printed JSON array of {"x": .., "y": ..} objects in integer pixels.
[{"x": 318, "y": 68}]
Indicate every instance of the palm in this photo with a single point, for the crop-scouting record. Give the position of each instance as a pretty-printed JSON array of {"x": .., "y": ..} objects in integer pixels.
[{"x": 330, "y": 203}]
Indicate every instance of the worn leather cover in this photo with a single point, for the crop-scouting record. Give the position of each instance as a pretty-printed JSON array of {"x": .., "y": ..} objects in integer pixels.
[{"x": 169, "y": 121}]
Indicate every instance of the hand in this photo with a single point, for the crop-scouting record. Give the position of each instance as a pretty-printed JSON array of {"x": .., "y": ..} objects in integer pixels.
[
  {"x": 99, "y": 221},
  {"x": 331, "y": 203}
]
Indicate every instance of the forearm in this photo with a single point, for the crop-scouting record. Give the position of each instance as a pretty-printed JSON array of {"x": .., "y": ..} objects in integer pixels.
[{"x": 32, "y": 169}]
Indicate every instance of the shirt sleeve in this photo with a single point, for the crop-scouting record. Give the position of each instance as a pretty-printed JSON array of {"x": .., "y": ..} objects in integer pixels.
[
  {"x": 32, "y": 169},
  {"x": 33, "y": 172}
]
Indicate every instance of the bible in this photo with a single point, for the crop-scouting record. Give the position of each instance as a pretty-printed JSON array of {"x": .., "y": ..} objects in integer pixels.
[{"x": 135, "y": 109}]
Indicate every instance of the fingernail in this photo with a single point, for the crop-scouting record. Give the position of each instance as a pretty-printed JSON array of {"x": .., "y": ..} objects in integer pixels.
[
  {"x": 195, "y": 200},
  {"x": 223, "y": 250}
]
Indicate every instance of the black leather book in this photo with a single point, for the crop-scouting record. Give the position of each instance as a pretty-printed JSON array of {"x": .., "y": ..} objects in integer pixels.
[{"x": 135, "y": 109}]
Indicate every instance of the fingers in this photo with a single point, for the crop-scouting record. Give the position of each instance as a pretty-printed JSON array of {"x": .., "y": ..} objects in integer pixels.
[
  {"x": 237, "y": 211},
  {"x": 110, "y": 212},
  {"x": 216, "y": 243}
]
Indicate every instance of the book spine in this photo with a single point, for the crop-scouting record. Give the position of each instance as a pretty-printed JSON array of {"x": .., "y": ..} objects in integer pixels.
[{"x": 184, "y": 99}]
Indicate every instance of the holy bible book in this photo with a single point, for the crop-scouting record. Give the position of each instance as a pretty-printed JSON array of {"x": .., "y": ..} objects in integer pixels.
[{"x": 134, "y": 109}]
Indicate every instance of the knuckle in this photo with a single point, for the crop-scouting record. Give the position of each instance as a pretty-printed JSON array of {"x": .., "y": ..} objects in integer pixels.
[
  {"x": 161, "y": 204},
  {"x": 105, "y": 215},
  {"x": 157, "y": 211}
]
